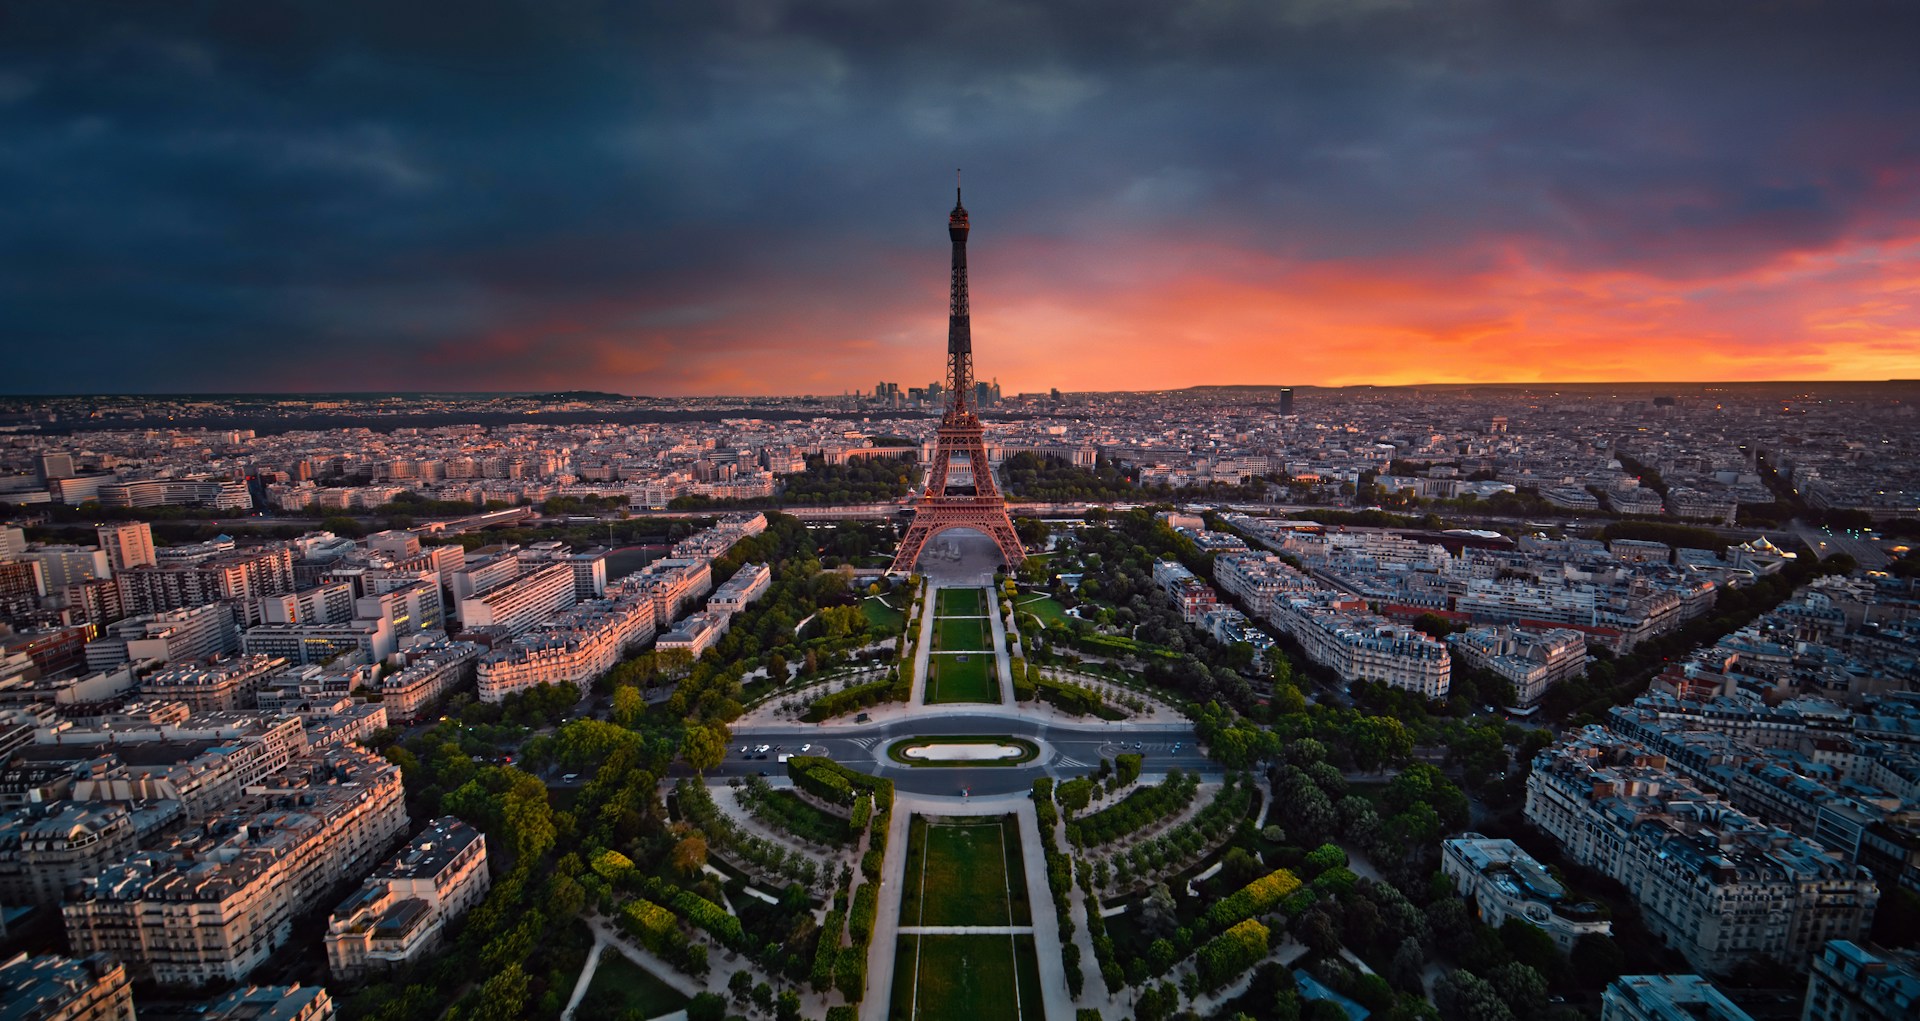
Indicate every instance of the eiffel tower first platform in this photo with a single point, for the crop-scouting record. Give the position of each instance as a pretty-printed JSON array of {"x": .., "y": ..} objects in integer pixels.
[{"x": 961, "y": 492}]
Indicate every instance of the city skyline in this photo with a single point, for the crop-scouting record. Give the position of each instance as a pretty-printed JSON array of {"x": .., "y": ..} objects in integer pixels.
[{"x": 728, "y": 201}]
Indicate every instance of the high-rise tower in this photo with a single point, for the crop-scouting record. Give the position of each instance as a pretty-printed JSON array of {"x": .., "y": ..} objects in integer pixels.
[{"x": 948, "y": 502}]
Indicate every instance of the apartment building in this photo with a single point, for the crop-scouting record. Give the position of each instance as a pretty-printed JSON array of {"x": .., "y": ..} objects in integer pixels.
[
  {"x": 45, "y": 849},
  {"x": 56, "y": 988},
  {"x": 272, "y": 1003},
  {"x": 750, "y": 582},
  {"x": 214, "y": 687},
  {"x": 695, "y": 634},
  {"x": 1667, "y": 998},
  {"x": 573, "y": 648},
  {"x": 400, "y": 910},
  {"x": 1503, "y": 882},
  {"x": 523, "y": 602},
  {"x": 1359, "y": 646},
  {"x": 237, "y": 576},
  {"x": 432, "y": 671},
  {"x": 1717, "y": 885},
  {"x": 1854, "y": 983},
  {"x": 173, "y": 636},
  {"x": 673, "y": 583},
  {"x": 372, "y": 640},
  {"x": 1533, "y": 659},
  {"x": 212, "y": 906}
]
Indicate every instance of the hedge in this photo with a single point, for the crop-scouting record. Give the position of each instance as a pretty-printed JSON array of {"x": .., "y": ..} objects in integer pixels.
[
  {"x": 809, "y": 772},
  {"x": 1255, "y": 898},
  {"x": 650, "y": 923},
  {"x": 857, "y": 697},
  {"x": 850, "y": 975},
  {"x": 1231, "y": 953},
  {"x": 702, "y": 913},
  {"x": 1076, "y": 699},
  {"x": 827, "y": 951},
  {"x": 866, "y": 905}
]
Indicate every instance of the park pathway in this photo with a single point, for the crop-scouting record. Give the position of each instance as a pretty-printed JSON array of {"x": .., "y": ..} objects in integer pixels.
[
  {"x": 1002, "y": 661},
  {"x": 929, "y": 608}
]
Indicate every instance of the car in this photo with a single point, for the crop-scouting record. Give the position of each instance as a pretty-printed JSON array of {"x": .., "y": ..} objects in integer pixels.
[
  {"x": 1138, "y": 745},
  {"x": 765, "y": 773},
  {"x": 805, "y": 748},
  {"x": 570, "y": 777},
  {"x": 763, "y": 749}
]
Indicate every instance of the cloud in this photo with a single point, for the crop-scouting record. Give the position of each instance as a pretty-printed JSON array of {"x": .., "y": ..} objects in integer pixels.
[{"x": 750, "y": 194}]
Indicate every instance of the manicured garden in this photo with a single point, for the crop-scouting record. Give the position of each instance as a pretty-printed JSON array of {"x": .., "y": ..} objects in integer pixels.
[
  {"x": 964, "y": 872},
  {"x": 621, "y": 986},
  {"x": 962, "y": 678},
  {"x": 966, "y": 978},
  {"x": 788, "y": 811},
  {"x": 961, "y": 634},
  {"x": 1047, "y": 610},
  {"x": 882, "y": 614},
  {"x": 962, "y": 602}
]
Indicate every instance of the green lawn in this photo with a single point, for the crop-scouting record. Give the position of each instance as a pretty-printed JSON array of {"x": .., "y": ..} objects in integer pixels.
[
  {"x": 881, "y": 615},
  {"x": 966, "y": 978},
  {"x": 961, "y": 634},
  {"x": 620, "y": 986},
  {"x": 962, "y": 602},
  {"x": 1047, "y": 608},
  {"x": 964, "y": 872},
  {"x": 962, "y": 678}
]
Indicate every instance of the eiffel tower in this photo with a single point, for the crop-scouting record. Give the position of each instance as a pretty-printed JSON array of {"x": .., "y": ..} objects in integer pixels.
[{"x": 961, "y": 492}]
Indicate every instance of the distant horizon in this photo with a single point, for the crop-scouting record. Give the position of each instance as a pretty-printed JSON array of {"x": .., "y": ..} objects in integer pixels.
[{"x": 1632, "y": 384}]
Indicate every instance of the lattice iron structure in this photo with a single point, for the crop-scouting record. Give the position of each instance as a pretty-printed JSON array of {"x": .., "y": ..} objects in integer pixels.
[{"x": 947, "y": 503}]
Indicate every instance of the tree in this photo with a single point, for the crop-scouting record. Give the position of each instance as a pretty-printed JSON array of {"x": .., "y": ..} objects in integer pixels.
[
  {"x": 707, "y": 1007},
  {"x": 627, "y": 705},
  {"x": 1463, "y": 996},
  {"x": 1521, "y": 988},
  {"x": 690, "y": 854},
  {"x": 704, "y": 747},
  {"x": 1597, "y": 960}
]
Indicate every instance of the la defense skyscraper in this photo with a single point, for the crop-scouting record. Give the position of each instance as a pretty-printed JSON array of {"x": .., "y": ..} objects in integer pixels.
[{"x": 967, "y": 497}]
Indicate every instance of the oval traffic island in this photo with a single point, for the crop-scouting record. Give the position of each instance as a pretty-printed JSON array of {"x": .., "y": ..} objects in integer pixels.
[{"x": 972, "y": 750}]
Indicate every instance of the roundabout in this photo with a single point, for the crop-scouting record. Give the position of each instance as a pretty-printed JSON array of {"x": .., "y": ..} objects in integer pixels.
[{"x": 963, "y": 750}]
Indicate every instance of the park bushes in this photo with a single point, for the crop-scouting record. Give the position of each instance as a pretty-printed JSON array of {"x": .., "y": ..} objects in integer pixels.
[
  {"x": 702, "y": 913},
  {"x": 866, "y": 902},
  {"x": 812, "y": 772},
  {"x": 767, "y": 857},
  {"x": 1075, "y": 698},
  {"x": 658, "y": 930},
  {"x": 862, "y": 812},
  {"x": 826, "y": 953},
  {"x": 850, "y": 975},
  {"x": 1255, "y": 898},
  {"x": 650, "y": 923},
  {"x": 859, "y": 696},
  {"x": 785, "y": 810},
  {"x": 1140, "y": 809},
  {"x": 1231, "y": 953}
]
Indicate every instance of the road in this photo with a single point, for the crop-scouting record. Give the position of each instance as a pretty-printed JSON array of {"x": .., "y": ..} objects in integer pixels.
[
  {"x": 1827, "y": 542},
  {"x": 1065, "y": 750}
]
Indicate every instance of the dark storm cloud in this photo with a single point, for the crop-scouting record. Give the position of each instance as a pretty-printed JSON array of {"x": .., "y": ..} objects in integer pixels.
[{"x": 284, "y": 196}]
